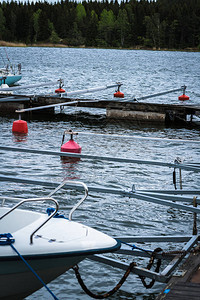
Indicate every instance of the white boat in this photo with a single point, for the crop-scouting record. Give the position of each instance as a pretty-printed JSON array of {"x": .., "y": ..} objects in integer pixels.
[{"x": 51, "y": 244}]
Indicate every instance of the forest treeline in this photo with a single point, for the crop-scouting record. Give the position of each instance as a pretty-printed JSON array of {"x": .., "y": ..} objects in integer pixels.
[{"x": 170, "y": 24}]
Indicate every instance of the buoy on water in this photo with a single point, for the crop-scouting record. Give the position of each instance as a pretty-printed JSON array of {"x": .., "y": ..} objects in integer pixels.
[
  {"x": 71, "y": 146},
  {"x": 20, "y": 126},
  {"x": 118, "y": 94},
  {"x": 183, "y": 97},
  {"x": 60, "y": 90}
]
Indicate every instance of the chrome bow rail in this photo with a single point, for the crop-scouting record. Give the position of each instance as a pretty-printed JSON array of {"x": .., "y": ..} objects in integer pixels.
[{"x": 49, "y": 198}]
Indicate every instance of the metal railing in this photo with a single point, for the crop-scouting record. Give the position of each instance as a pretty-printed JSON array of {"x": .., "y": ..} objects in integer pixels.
[
  {"x": 49, "y": 198},
  {"x": 34, "y": 200},
  {"x": 75, "y": 183}
]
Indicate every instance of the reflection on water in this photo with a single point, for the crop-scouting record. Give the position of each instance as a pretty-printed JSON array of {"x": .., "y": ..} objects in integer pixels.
[
  {"x": 19, "y": 137},
  {"x": 69, "y": 166}
]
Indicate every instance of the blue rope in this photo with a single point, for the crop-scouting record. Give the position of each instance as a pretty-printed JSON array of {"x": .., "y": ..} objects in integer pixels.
[
  {"x": 50, "y": 210},
  {"x": 6, "y": 239},
  {"x": 135, "y": 247}
]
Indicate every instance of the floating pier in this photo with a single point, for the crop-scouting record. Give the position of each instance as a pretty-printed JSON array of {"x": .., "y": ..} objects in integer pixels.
[{"x": 120, "y": 109}]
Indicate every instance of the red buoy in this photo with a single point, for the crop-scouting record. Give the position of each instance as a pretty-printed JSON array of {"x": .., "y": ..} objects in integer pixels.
[
  {"x": 119, "y": 94},
  {"x": 59, "y": 91},
  {"x": 20, "y": 126},
  {"x": 183, "y": 97}
]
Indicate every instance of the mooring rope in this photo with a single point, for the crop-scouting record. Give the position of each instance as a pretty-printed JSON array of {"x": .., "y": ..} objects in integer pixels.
[{"x": 107, "y": 294}]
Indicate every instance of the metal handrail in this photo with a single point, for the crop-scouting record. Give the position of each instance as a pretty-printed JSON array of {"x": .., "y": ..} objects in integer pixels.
[
  {"x": 34, "y": 200},
  {"x": 75, "y": 183}
]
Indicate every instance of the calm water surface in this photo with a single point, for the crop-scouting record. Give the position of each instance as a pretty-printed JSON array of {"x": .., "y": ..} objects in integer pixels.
[{"x": 142, "y": 73}]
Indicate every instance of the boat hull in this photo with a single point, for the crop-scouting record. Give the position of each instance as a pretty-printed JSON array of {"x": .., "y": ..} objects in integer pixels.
[
  {"x": 58, "y": 245},
  {"x": 10, "y": 80},
  {"x": 18, "y": 282}
]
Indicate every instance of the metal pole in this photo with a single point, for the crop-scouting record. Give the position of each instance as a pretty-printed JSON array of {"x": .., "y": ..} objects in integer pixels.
[
  {"x": 16, "y": 88},
  {"x": 121, "y": 193},
  {"x": 70, "y": 94},
  {"x": 158, "y": 94},
  {"x": 105, "y": 158},
  {"x": 140, "y": 137}
]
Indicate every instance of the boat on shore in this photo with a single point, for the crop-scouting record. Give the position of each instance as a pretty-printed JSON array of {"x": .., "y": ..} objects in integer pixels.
[{"x": 49, "y": 242}]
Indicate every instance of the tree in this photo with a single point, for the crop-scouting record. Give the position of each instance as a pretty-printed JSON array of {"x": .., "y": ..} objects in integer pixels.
[
  {"x": 44, "y": 31},
  {"x": 92, "y": 29},
  {"x": 122, "y": 25},
  {"x": 36, "y": 16},
  {"x": 2, "y": 24},
  {"x": 106, "y": 26}
]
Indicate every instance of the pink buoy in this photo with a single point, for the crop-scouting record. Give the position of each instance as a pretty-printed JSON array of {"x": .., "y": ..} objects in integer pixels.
[{"x": 71, "y": 145}]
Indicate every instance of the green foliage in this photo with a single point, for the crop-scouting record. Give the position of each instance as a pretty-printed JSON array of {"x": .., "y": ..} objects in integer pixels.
[
  {"x": 173, "y": 24},
  {"x": 106, "y": 26},
  {"x": 2, "y": 24}
]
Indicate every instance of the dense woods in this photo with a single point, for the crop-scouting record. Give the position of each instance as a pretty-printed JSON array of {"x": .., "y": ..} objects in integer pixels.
[{"x": 170, "y": 24}]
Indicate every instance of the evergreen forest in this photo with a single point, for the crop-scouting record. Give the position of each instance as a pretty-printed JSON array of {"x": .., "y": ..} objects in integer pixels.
[{"x": 153, "y": 24}]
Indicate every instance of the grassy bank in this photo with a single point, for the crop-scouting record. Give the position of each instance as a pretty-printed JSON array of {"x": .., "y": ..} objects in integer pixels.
[{"x": 16, "y": 44}]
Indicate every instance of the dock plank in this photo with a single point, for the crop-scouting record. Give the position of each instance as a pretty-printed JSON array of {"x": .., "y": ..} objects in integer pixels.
[{"x": 186, "y": 286}]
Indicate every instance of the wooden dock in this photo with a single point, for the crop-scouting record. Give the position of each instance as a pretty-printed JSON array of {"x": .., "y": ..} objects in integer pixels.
[
  {"x": 185, "y": 284},
  {"x": 115, "y": 109}
]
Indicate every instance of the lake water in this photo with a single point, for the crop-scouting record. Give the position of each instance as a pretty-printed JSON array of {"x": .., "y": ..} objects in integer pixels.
[{"x": 142, "y": 73}]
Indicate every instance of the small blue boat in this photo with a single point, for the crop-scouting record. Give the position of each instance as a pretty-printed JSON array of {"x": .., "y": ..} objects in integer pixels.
[
  {"x": 9, "y": 77},
  {"x": 9, "y": 74}
]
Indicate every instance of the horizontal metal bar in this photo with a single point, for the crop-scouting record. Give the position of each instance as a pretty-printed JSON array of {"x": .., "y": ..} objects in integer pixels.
[
  {"x": 16, "y": 88},
  {"x": 159, "y": 94},
  {"x": 169, "y": 197},
  {"x": 154, "y": 239},
  {"x": 140, "y": 253},
  {"x": 141, "y": 138},
  {"x": 105, "y": 158},
  {"x": 12, "y": 99},
  {"x": 45, "y": 106},
  {"x": 172, "y": 192},
  {"x": 123, "y": 266},
  {"x": 91, "y": 90},
  {"x": 165, "y": 202},
  {"x": 104, "y": 190}
]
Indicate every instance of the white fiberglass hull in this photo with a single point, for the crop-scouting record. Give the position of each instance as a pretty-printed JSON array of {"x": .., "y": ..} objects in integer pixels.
[{"x": 57, "y": 246}]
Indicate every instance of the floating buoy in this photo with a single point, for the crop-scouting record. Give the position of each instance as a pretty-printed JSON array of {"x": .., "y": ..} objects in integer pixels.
[
  {"x": 71, "y": 146},
  {"x": 20, "y": 126},
  {"x": 119, "y": 94},
  {"x": 59, "y": 91},
  {"x": 183, "y": 97}
]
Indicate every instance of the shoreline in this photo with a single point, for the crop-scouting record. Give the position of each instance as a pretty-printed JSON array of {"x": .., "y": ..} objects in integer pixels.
[{"x": 50, "y": 45}]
